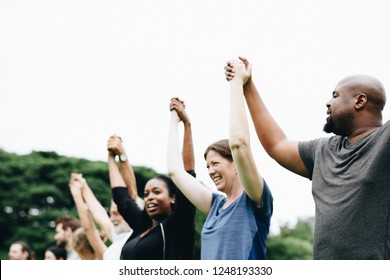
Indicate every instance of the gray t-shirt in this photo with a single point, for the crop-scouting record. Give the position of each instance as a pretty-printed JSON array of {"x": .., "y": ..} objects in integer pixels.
[{"x": 351, "y": 190}]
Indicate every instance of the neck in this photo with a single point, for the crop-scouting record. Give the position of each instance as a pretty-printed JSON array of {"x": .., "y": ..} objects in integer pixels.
[
  {"x": 360, "y": 133},
  {"x": 233, "y": 195}
]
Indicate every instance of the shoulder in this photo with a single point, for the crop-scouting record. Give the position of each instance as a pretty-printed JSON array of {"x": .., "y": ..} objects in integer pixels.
[
  {"x": 386, "y": 127},
  {"x": 218, "y": 197},
  {"x": 218, "y": 200},
  {"x": 311, "y": 146}
]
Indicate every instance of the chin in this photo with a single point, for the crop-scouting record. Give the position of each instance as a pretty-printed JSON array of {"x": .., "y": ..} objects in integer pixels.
[
  {"x": 120, "y": 228},
  {"x": 328, "y": 127},
  {"x": 221, "y": 188},
  {"x": 153, "y": 215}
]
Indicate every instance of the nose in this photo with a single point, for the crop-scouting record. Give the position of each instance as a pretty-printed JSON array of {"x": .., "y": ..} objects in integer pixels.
[
  {"x": 149, "y": 197},
  {"x": 211, "y": 170}
]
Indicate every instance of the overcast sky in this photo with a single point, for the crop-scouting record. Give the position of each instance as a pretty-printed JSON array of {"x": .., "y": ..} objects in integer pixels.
[{"x": 74, "y": 72}]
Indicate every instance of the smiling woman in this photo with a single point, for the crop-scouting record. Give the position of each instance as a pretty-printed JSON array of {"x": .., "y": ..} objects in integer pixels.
[
  {"x": 165, "y": 228},
  {"x": 159, "y": 195},
  {"x": 238, "y": 222}
]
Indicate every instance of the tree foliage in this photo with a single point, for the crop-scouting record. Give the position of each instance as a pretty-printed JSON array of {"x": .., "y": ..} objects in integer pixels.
[
  {"x": 34, "y": 192},
  {"x": 292, "y": 243}
]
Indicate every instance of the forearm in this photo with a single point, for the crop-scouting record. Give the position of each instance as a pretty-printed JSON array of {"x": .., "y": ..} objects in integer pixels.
[
  {"x": 188, "y": 185},
  {"x": 116, "y": 179},
  {"x": 267, "y": 129},
  {"x": 174, "y": 160},
  {"x": 98, "y": 212},
  {"x": 188, "y": 148},
  {"x": 129, "y": 178},
  {"x": 82, "y": 211},
  {"x": 238, "y": 124},
  {"x": 92, "y": 233}
]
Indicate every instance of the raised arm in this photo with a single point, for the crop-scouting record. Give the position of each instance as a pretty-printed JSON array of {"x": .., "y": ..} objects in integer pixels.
[
  {"x": 271, "y": 136},
  {"x": 98, "y": 212},
  {"x": 76, "y": 184},
  {"x": 239, "y": 136},
  {"x": 188, "y": 146},
  {"x": 199, "y": 195},
  {"x": 116, "y": 148},
  {"x": 116, "y": 179}
]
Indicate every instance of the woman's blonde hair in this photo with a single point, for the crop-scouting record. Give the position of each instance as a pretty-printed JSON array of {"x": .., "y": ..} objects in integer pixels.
[{"x": 81, "y": 242}]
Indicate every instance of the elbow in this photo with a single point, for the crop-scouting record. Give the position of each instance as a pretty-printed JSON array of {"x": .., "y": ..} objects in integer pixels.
[
  {"x": 174, "y": 172},
  {"x": 87, "y": 227},
  {"x": 171, "y": 173},
  {"x": 173, "y": 168},
  {"x": 238, "y": 143}
]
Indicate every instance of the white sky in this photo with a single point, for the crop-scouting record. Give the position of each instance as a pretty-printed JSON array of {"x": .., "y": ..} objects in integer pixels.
[{"x": 74, "y": 72}]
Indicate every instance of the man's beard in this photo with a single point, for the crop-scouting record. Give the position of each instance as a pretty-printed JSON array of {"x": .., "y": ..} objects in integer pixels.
[
  {"x": 121, "y": 228},
  {"x": 329, "y": 127},
  {"x": 341, "y": 126}
]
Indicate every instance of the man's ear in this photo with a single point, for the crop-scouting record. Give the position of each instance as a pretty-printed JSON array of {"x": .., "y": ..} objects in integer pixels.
[{"x": 361, "y": 101}]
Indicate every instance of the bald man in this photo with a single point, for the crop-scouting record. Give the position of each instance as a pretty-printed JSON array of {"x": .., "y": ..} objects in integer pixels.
[{"x": 350, "y": 171}]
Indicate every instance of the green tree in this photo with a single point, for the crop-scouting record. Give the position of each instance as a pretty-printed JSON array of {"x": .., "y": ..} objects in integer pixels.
[
  {"x": 291, "y": 243},
  {"x": 34, "y": 192}
]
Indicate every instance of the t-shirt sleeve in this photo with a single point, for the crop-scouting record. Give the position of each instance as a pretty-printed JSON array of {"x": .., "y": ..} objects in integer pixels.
[
  {"x": 266, "y": 208},
  {"x": 306, "y": 151}
]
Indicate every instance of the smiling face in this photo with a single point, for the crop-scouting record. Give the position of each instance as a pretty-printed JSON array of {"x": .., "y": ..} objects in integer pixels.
[
  {"x": 157, "y": 199},
  {"x": 120, "y": 225},
  {"x": 221, "y": 170}
]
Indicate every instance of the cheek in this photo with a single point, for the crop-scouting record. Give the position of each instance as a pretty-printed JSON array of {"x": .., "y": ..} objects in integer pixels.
[{"x": 165, "y": 200}]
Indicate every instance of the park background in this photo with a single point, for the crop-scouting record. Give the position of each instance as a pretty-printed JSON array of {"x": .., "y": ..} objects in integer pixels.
[{"x": 74, "y": 72}]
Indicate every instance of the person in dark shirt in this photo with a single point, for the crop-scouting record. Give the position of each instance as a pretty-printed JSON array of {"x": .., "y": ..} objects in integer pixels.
[{"x": 165, "y": 229}]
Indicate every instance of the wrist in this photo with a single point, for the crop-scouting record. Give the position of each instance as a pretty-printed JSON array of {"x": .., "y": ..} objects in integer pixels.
[
  {"x": 122, "y": 157},
  {"x": 248, "y": 83},
  {"x": 111, "y": 154},
  {"x": 187, "y": 123},
  {"x": 76, "y": 193},
  {"x": 237, "y": 81},
  {"x": 175, "y": 119}
]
